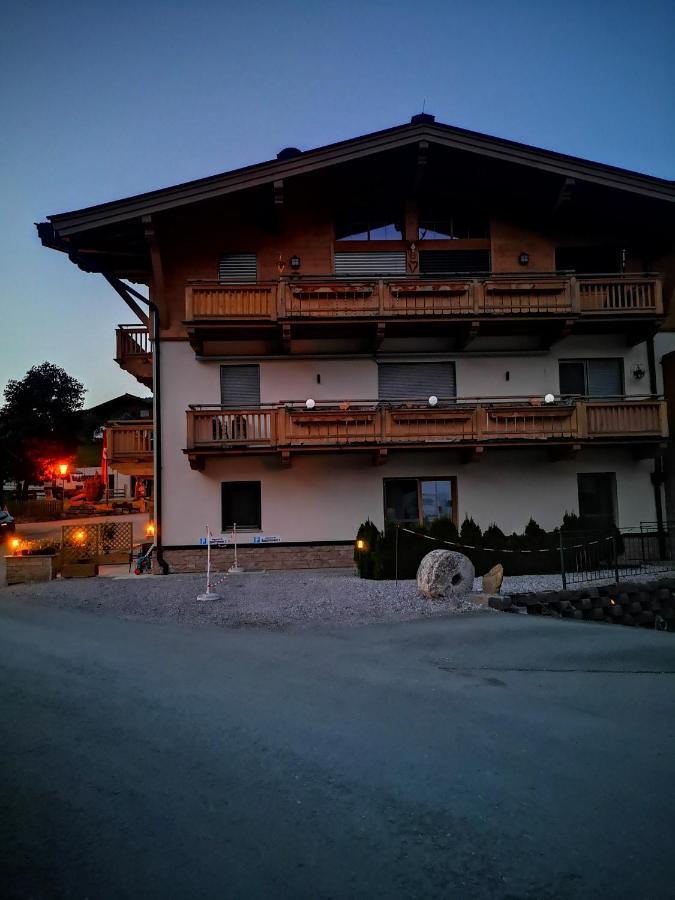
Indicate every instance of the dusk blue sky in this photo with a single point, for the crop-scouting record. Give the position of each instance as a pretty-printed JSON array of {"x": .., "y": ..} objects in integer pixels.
[{"x": 103, "y": 100}]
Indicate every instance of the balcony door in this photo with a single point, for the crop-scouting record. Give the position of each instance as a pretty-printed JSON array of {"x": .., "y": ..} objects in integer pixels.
[{"x": 591, "y": 377}]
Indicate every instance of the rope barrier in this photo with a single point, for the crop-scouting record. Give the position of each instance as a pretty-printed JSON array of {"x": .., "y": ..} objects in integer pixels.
[{"x": 502, "y": 549}]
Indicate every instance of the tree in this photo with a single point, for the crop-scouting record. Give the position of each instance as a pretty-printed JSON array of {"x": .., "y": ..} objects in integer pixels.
[{"x": 38, "y": 424}]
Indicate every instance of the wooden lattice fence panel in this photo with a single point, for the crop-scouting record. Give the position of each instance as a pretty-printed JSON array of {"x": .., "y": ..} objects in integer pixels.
[{"x": 104, "y": 543}]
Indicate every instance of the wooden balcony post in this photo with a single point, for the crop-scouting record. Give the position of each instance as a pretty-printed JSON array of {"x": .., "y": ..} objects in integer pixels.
[
  {"x": 279, "y": 418},
  {"x": 190, "y": 429},
  {"x": 574, "y": 295},
  {"x": 658, "y": 297},
  {"x": 477, "y": 289},
  {"x": 380, "y": 296},
  {"x": 663, "y": 418},
  {"x": 281, "y": 300},
  {"x": 582, "y": 420},
  {"x": 477, "y": 423},
  {"x": 189, "y": 306}
]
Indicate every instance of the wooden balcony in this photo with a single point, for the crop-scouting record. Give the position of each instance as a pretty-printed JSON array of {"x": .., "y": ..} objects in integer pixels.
[
  {"x": 134, "y": 352},
  {"x": 129, "y": 446},
  {"x": 544, "y": 304},
  {"x": 462, "y": 424}
]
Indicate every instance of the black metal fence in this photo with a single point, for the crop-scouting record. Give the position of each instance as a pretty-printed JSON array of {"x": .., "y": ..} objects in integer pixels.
[{"x": 645, "y": 549}]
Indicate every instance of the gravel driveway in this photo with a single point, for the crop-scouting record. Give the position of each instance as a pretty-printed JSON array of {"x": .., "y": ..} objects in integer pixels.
[{"x": 267, "y": 600}]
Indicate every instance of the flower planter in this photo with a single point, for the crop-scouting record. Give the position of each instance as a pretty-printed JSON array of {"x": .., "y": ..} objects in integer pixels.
[
  {"x": 25, "y": 569},
  {"x": 79, "y": 570}
]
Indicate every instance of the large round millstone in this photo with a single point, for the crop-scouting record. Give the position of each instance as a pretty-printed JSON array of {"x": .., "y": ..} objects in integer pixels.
[{"x": 445, "y": 574}]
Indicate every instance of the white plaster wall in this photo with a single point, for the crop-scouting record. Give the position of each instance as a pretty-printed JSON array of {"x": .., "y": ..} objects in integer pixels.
[
  {"x": 356, "y": 379},
  {"x": 326, "y": 496},
  {"x": 664, "y": 342}
]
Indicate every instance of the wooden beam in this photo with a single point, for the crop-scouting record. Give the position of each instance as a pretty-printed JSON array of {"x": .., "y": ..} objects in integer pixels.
[
  {"x": 648, "y": 451},
  {"x": 286, "y": 336},
  {"x": 157, "y": 281},
  {"x": 380, "y": 456},
  {"x": 196, "y": 462},
  {"x": 467, "y": 335},
  {"x": 378, "y": 337},
  {"x": 279, "y": 192},
  {"x": 471, "y": 454},
  {"x": 563, "y": 452},
  {"x": 125, "y": 293},
  {"x": 421, "y": 164},
  {"x": 555, "y": 332},
  {"x": 564, "y": 194}
]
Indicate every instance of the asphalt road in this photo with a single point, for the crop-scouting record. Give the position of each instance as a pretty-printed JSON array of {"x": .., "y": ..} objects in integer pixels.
[{"x": 485, "y": 756}]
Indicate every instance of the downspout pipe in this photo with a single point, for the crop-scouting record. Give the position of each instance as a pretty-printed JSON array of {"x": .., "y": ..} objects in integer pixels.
[
  {"x": 658, "y": 476},
  {"x": 157, "y": 414}
]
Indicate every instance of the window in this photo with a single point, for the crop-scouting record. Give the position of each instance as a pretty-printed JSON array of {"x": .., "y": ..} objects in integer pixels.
[
  {"x": 240, "y": 386},
  {"x": 241, "y": 504},
  {"x": 451, "y": 228},
  {"x": 597, "y": 499},
  {"x": 240, "y": 267},
  {"x": 416, "y": 381},
  {"x": 372, "y": 230},
  {"x": 416, "y": 501},
  {"x": 373, "y": 263},
  {"x": 591, "y": 377},
  {"x": 445, "y": 262}
]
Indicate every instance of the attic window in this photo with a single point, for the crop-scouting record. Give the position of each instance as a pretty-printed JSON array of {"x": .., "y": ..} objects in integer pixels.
[
  {"x": 368, "y": 231},
  {"x": 460, "y": 227}
]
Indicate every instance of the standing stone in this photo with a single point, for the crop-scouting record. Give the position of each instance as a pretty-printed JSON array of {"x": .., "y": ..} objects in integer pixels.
[
  {"x": 445, "y": 574},
  {"x": 492, "y": 580}
]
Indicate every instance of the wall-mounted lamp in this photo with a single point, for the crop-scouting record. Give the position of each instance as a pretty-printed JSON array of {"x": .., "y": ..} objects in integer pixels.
[
  {"x": 309, "y": 403},
  {"x": 432, "y": 401},
  {"x": 549, "y": 398},
  {"x": 295, "y": 262},
  {"x": 638, "y": 372},
  {"x": 523, "y": 259}
]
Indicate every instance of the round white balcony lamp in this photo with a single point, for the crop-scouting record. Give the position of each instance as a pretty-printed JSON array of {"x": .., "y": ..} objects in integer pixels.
[
  {"x": 433, "y": 400},
  {"x": 309, "y": 403},
  {"x": 549, "y": 398}
]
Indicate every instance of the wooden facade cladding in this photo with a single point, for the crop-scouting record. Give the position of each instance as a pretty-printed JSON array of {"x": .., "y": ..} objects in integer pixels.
[
  {"x": 218, "y": 430},
  {"x": 134, "y": 352},
  {"x": 398, "y": 299}
]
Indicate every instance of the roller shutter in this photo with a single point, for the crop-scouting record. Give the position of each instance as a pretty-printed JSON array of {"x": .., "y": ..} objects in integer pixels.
[
  {"x": 370, "y": 264},
  {"x": 604, "y": 378},
  {"x": 240, "y": 386},
  {"x": 240, "y": 267},
  {"x": 416, "y": 381}
]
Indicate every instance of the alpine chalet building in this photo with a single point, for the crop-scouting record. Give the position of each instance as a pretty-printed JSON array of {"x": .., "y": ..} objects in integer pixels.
[{"x": 418, "y": 322}]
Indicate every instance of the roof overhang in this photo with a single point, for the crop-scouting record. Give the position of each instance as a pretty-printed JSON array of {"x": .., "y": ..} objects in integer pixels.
[{"x": 70, "y": 223}]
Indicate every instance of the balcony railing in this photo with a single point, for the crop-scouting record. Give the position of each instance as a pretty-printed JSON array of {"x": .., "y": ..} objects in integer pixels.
[
  {"x": 462, "y": 422},
  {"x": 134, "y": 352},
  {"x": 129, "y": 441},
  {"x": 328, "y": 298}
]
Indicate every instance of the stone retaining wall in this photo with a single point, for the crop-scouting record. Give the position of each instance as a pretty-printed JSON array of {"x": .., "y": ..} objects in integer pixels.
[
  {"x": 645, "y": 604},
  {"x": 266, "y": 556}
]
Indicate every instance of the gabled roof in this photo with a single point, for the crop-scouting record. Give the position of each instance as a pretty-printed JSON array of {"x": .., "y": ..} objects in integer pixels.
[{"x": 421, "y": 128}]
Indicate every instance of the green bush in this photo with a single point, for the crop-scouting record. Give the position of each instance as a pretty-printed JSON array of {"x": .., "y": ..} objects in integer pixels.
[{"x": 383, "y": 559}]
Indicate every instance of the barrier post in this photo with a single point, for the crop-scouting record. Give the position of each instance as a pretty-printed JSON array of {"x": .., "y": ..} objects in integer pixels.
[
  {"x": 562, "y": 561},
  {"x": 209, "y": 595}
]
